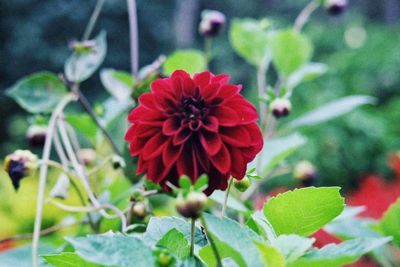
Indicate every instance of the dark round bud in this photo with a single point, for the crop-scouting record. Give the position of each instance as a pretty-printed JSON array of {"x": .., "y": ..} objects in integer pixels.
[
  {"x": 192, "y": 206},
  {"x": 243, "y": 184},
  {"x": 117, "y": 162},
  {"x": 20, "y": 164},
  {"x": 280, "y": 107},
  {"x": 212, "y": 23},
  {"x": 305, "y": 172},
  {"x": 36, "y": 135},
  {"x": 335, "y": 7},
  {"x": 139, "y": 210}
]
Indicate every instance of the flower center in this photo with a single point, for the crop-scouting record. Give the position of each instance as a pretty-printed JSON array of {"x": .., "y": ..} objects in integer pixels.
[{"x": 194, "y": 110}]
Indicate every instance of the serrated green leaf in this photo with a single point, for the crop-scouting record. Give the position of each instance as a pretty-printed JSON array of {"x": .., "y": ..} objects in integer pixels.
[
  {"x": 339, "y": 255},
  {"x": 237, "y": 240},
  {"x": 80, "y": 66},
  {"x": 332, "y": 110},
  {"x": 390, "y": 222},
  {"x": 176, "y": 242},
  {"x": 290, "y": 51},
  {"x": 113, "y": 249},
  {"x": 292, "y": 247},
  {"x": 118, "y": 83},
  {"x": 303, "y": 211},
  {"x": 68, "y": 259},
  {"x": 39, "y": 92},
  {"x": 249, "y": 39},
  {"x": 191, "y": 61},
  {"x": 270, "y": 255}
]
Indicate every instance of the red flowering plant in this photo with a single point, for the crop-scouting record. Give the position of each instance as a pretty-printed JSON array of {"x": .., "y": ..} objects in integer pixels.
[{"x": 166, "y": 171}]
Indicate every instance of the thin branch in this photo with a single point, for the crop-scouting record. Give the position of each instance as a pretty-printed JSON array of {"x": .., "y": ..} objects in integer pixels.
[
  {"x": 211, "y": 241},
  {"x": 193, "y": 229},
  {"x": 43, "y": 174},
  {"x": 93, "y": 19},
  {"x": 134, "y": 37},
  {"x": 226, "y": 197},
  {"x": 304, "y": 15}
]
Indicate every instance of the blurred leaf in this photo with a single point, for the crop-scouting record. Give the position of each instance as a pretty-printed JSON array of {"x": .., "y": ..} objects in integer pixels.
[
  {"x": 206, "y": 254},
  {"x": 332, "y": 110},
  {"x": 219, "y": 197},
  {"x": 84, "y": 124},
  {"x": 159, "y": 226},
  {"x": 306, "y": 73},
  {"x": 249, "y": 40},
  {"x": 176, "y": 242},
  {"x": 390, "y": 222},
  {"x": 276, "y": 150},
  {"x": 233, "y": 240},
  {"x": 185, "y": 182},
  {"x": 259, "y": 224},
  {"x": 191, "y": 61},
  {"x": 81, "y": 65},
  {"x": 113, "y": 249},
  {"x": 303, "y": 211},
  {"x": 201, "y": 183},
  {"x": 68, "y": 259},
  {"x": 339, "y": 255},
  {"x": 118, "y": 83},
  {"x": 290, "y": 51},
  {"x": 22, "y": 256},
  {"x": 270, "y": 255},
  {"x": 39, "y": 92},
  {"x": 292, "y": 247}
]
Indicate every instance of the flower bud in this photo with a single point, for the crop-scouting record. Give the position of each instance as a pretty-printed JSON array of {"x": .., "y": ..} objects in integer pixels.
[
  {"x": 335, "y": 7},
  {"x": 212, "y": 22},
  {"x": 60, "y": 189},
  {"x": 243, "y": 184},
  {"x": 164, "y": 258},
  {"x": 86, "y": 155},
  {"x": 139, "y": 210},
  {"x": 192, "y": 206},
  {"x": 36, "y": 135},
  {"x": 82, "y": 47},
  {"x": 280, "y": 107},
  {"x": 20, "y": 164},
  {"x": 117, "y": 162},
  {"x": 305, "y": 172}
]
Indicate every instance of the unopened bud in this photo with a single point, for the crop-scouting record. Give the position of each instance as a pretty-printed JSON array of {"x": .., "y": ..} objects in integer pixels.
[
  {"x": 212, "y": 23},
  {"x": 280, "y": 107},
  {"x": 20, "y": 164},
  {"x": 305, "y": 172},
  {"x": 243, "y": 184},
  {"x": 139, "y": 210},
  {"x": 86, "y": 155},
  {"x": 164, "y": 258},
  {"x": 192, "y": 206},
  {"x": 36, "y": 135},
  {"x": 117, "y": 162},
  {"x": 60, "y": 189},
  {"x": 82, "y": 47},
  {"x": 335, "y": 7}
]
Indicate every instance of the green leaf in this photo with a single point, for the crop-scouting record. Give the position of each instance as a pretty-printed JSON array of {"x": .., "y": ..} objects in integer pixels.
[
  {"x": 113, "y": 249},
  {"x": 22, "y": 256},
  {"x": 390, "y": 222},
  {"x": 277, "y": 150},
  {"x": 224, "y": 251},
  {"x": 118, "y": 83},
  {"x": 259, "y": 224},
  {"x": 306, "y": 73},
  {"x": 219, "y": 197},
  {"x": 84, "y": 124},
  {"x": 303, "y": 211},
  {"x": 176, "y": 242},
  {"x": 160, "y": 226},
  {"x": 81, "y": 65},
  {"x": 332, "y": 110},
  {"x": 68, "y": 259},
  {"x": 39, "y": 92},
  {"x": 249, "y": 40},
  {"x": 185, "y": 182},
  {"x": 339, "y": 255},
  {"x": 270, "y": 255},
  {"x": 290, "y": 51},
  {"x": 191, "y": 61},
  {"x": 352, "y": 228},
  {"x": 201, "y": 183},
  {"x": 292, "y": 247},
  {"x": 235, "y": 239}
]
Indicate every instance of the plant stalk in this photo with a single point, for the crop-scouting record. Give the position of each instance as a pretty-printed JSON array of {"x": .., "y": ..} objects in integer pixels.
[
  {"x": 223, "y": 211},
  {"x": 304, "y": 15},
  {"x": 212, "y": 244},
  {"x": 193, "y": 229},
  {"x": 93, "y": 20},
  {"x": 134, "y": 37}
]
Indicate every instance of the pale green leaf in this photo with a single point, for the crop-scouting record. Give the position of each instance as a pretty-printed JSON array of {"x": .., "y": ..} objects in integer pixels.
[
  {"x": 332, "y": 110},
  {"x": 118, "y": 83},
  {"x": 22, "y": 256},
  {"x": 390, "y": 222},
  {"x": 219, "y": 197},
  {"x": 270, "y": 255},
  {"x": 39, "y": 92},
  {"x": 303, "y": 211},
  {"x": 176, "y": 242},
  {"x": 191, "y": 61},
  {"x": 306, "y": 73},
  {"x": 292, "y": 247},
  {"x": 68, "y": 259}
]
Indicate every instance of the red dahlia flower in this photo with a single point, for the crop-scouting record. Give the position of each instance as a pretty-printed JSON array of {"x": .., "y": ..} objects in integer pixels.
[{"x": 193, "y": 126}]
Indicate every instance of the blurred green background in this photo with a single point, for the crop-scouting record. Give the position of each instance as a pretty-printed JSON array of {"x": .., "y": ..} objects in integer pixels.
[{"x": 361, "y": 48}]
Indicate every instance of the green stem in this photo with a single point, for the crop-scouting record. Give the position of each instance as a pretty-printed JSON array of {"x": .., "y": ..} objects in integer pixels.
[
  {"x": 211, "y": 241},
  {"x": 226, "y": 197},
  {"x": 208, "y": 49},
  {"x": 304, "y": 15},
  {"x": 193, "y": 229},
  {"x": 93, "y": 20}
]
